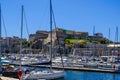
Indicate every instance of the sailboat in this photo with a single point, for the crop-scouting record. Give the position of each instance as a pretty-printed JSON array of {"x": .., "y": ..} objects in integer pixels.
[
  {"x": 50, "y": 73},
  {"x": 3, "y": 61},
  {"x": 7, "y": 70},
  {"x": 28, "y": 60},
  {"x": 11, "y": 71}
]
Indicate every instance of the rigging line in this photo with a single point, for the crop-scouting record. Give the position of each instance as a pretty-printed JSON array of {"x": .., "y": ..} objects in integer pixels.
[
  {"x": 4, "y": 25},
  {"x": 26, "y": 22},
  {"x": 57, "y": 38},
  {"x": 44, "y": 15},
  {"x": 25, "y": 18}
]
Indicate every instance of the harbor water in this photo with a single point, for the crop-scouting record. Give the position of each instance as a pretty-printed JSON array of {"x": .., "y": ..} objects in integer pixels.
[
  {"x": 84, "y": 75},
  {"x": 80, "y": 75}
]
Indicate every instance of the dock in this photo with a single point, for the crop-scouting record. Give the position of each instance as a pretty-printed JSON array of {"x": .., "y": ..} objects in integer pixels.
[
  {"x": 80, "y": 69},
  {"x": 77, "y": 68},
  {"x": 7, "y": 78}
]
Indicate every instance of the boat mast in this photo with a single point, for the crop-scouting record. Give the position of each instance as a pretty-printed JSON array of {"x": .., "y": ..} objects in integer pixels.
[
  {"x": 117, "y": 41},
  {"x": 93, "y": 30},
  {"x": 109, "y": 35},
  {"x": 109, "y": 43},
  {"x": 93, "y": 44},
  {"x": 0, "y": 36},
  {"x": 51, "y": 32},
  {"x": 22, "y": 8},
  {"x": 117, "y": 35}
]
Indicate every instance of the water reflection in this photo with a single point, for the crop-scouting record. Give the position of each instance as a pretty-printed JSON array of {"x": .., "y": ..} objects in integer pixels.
[{"x": 80, "y": 75}]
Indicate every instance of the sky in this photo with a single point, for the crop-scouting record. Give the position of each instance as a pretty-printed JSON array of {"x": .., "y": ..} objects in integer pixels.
[{"x": 78, "y": 15}]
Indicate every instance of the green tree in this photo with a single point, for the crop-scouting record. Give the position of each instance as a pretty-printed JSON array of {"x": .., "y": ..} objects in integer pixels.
[{"x": 25, "y": 44}]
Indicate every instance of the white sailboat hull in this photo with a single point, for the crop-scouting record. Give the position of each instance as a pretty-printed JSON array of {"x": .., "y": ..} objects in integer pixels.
[{"x": 54, "y": 74}]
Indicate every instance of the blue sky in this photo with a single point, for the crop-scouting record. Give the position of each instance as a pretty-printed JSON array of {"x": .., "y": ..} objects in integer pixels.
[{"x": 78, "y": 15}]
